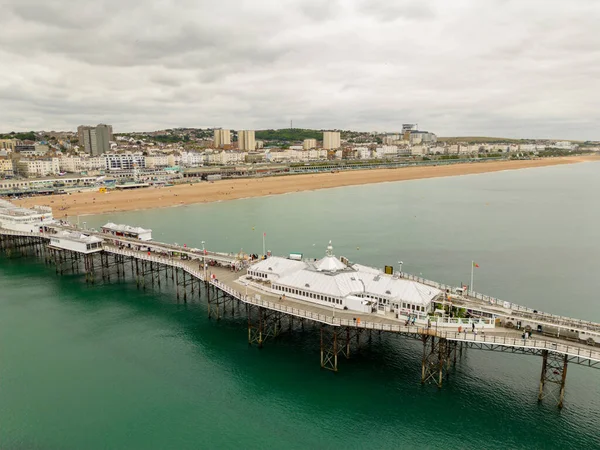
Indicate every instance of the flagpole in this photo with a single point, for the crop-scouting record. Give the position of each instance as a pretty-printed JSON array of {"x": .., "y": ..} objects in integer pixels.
[
  {"x": 264, "y": 249},
  {"x": 472, "y": 266}
]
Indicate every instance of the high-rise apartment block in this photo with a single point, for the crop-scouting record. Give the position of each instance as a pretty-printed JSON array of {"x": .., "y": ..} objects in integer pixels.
[
  {"x": 81, "y": 130},
  {"x": 246, "y": 140},
  {"x": 100, "y": 140},
  {"x": 331, "y": 140},
  {"x": 309, "y": 143},
  {"x": 96, "y": 140},
  {"x": 111, "y": 137},
  {"x": 222, "y": 138}
]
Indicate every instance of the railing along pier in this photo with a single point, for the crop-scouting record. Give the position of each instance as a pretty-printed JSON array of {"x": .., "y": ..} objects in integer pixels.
[{"x": 341, "y": 335}]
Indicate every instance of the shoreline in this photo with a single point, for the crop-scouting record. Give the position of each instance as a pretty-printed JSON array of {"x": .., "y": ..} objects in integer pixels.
[{"x": 94, "y": 202}]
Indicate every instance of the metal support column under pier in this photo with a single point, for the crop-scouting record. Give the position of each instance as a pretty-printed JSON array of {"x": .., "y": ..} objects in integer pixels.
[
  {"x": 437, "y": 357},
  {"x": 334, "y": 340},
  {"x": 553, "y": 377},
  {"x": 262, "y": 324}
]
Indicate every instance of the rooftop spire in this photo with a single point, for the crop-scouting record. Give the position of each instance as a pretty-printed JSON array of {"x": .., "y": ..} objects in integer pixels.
[{"x": 329, "y": 251}]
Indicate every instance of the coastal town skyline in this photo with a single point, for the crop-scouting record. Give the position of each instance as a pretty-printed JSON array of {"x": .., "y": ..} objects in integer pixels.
[{"x": 73, "y": 129}]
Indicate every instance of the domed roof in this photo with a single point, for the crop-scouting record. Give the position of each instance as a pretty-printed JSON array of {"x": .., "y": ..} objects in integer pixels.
[{"x": 329, "y": 263}]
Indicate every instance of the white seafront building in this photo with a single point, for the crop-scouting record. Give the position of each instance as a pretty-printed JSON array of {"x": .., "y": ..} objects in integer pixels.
[
  {"x": 75, "y": 241},
  {"x": 335, "y": 283},
  {"x": 30, "y": 220}
]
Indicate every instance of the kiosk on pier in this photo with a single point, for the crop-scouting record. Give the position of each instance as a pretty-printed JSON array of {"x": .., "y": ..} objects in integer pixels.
[
  {"x": 127, "y": 231},
  {"x": 76, "y": 242}
]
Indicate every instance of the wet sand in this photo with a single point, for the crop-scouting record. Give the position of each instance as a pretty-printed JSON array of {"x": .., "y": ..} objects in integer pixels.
[{"x": 94, "y": 202}]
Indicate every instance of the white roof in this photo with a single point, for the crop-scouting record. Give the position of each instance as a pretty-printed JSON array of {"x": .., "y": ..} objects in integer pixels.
[
  {"x": 329, "y": 264},
  {"x": 322, "y": 283},
  {"x": 398, "y": 288},
  {"x": 277, "y": 266},
  {"x": 76, "y": 236},
  {"x": 125, "y": 228},
  {"x": 9, "y": 209},
  {"x": 358, "y": 282},
  {"x": 366, "y": 269},
  {"x": 331, "y": 277}
]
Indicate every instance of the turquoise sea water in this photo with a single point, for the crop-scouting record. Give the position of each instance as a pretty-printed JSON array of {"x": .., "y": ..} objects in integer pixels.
[{"x": 113, "y": 367}]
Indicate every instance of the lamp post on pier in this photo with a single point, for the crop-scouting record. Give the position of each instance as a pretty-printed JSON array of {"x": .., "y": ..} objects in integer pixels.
[
  {"x": 204, "y": 261},
  {"x": 364, "y": 293},
  {"x": 363, "y": 285},
  {"x": 400, "y": 264}
]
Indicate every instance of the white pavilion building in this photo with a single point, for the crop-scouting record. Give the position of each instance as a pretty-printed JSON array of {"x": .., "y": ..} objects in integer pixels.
[
  {"x": 30, "y": 220},
  {"x": 333, "y": 283}
]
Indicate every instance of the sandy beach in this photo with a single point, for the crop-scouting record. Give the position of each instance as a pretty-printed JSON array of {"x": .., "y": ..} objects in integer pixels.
[{"x": 204, "y": 192}]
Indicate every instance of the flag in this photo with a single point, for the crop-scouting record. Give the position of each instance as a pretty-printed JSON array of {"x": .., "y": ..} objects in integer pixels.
[
  {"x": 264, "y": 234},
  {"x": 475, "y": 264}
]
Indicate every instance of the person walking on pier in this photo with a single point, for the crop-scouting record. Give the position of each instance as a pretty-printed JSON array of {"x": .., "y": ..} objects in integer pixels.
[{"x": 473, "y": 327}]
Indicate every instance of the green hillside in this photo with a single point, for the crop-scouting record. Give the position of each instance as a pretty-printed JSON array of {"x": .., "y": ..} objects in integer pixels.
[
  {"x": 30, "y": 136},
  {"x": 288, "y": 134}
]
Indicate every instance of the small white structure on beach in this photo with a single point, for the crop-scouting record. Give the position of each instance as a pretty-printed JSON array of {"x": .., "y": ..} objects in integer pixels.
[
  {"x": 30, "y": 220},
  {"x": 331, "y": 282},
  {"x": 75, "y": 241},
  {"x": 127, "y": 231}
]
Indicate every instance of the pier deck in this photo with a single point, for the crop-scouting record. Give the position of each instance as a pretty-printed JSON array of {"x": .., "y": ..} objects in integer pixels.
[
  {"x": 340, "y": 329},
  {"x": 229, "y": 281}
]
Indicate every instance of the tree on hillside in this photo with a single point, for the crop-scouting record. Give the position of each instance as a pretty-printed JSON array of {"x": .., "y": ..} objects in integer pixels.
[
  {"x": 288, "y": 134},
  {"x": 20, "y": 136}
]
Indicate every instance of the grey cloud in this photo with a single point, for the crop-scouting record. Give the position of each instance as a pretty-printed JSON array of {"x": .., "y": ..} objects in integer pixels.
[
  {"x": 48, "y": 15},
  {"x": 388, "y": 11},
  {"x": 320, "y": 10},
  {"x": 166, "y": 81},
  {"x": 124, "y": 48}
]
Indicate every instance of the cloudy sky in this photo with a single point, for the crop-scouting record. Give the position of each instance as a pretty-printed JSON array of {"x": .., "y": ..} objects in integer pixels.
[{"x": 514, "y": 68}]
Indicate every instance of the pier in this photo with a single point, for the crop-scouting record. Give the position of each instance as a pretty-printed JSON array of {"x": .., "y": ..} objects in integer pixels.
[{"x": 230, "y": 283}]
